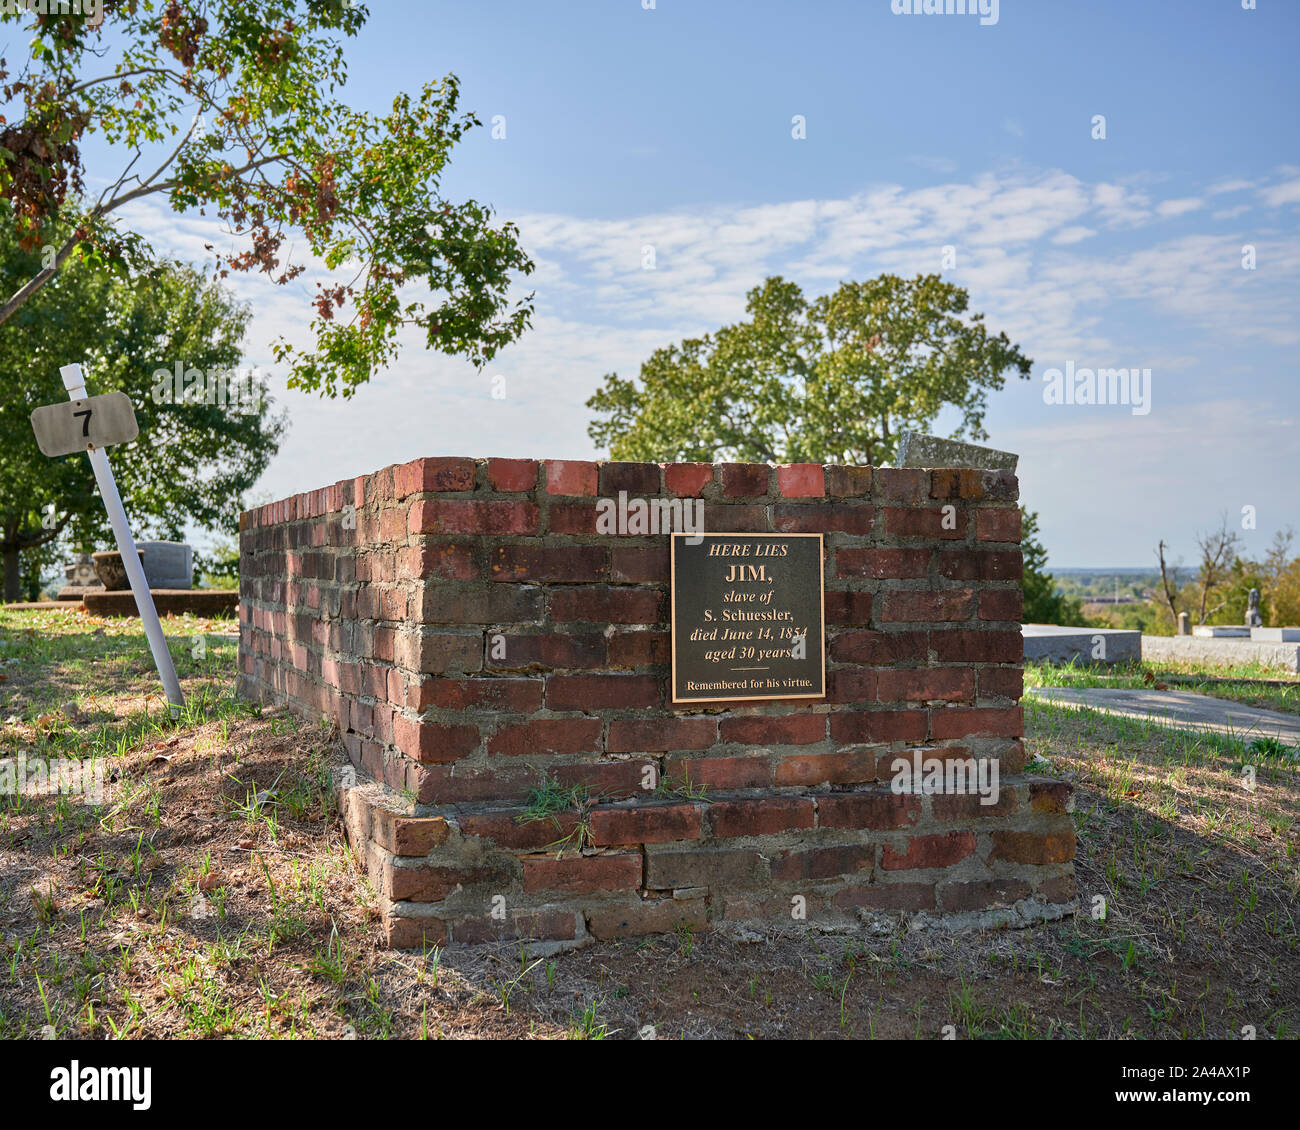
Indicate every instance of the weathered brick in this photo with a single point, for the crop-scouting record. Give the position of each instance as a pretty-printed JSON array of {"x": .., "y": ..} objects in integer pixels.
[
  {"x": 960, "y": 722},
  {"x": 582, "y": 874},
  {"x": 547, "y": 735},
  {"x": 512, "y": 475},
  {"x": 790, "y": 729},
  {"x": 744, "y": 480},
  {"x": 646, "y": 824},
  {"x": 867, "y": 810},
  {"x": 557, "y": 564},
  {"x": 638, "y": 479},
  {"x": 658, "y": 735},
  {"x": 571, "y": 477},
  {"x": 1032, "y": 847},
  {"x": 687, "y": 480},
  {"x": 879, "y": 726},
  {"x": 997, "y": 525},
  {"x": 432, "y": 742},
  {"x": 761, "y": 816},
  {"x": 824, "y": 862},
  {"x": 923, "y": 852},
  {"x": 433, "y": 475},
  {"x": 601, "y": 692},
  {"x": 878, "y": 564},
  {"x": 801, "y": 480}
]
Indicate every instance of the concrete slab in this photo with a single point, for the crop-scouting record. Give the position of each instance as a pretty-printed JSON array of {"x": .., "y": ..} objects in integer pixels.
[
  {"x": 918, "y": 450},
  {"x": 1220, "y": 631},
  {"x": 201, "y": 602},
  {"x": 1221, "y": 653},
  {"x": 1182, "y": 709},
  {"x": 1275, "y": 635},
  {"x": 1058, "y": 643}
]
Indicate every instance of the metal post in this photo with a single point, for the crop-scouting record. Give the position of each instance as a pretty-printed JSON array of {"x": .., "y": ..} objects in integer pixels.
[{"x": 75, "y": 383}]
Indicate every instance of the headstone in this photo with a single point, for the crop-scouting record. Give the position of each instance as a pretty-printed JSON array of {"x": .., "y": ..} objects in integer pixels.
[
  {"x": 1253, "y": 618},
  {"x": 1220, "y": 632},
  {"x": 168, "y": 564},
  {"x": 1184, "y": 624},
  {"x": 81, "y": 578},
  {"x": 917, "y": 450}
]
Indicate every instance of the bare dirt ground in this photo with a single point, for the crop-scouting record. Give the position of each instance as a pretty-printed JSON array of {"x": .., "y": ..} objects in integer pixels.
[{"x": 211, "y": 894}]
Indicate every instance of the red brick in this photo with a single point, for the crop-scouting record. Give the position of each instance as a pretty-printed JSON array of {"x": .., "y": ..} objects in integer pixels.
[
  {"x": 505, "y": 827},
  {"x": 744, "y": 480},
  {"x": 1050, "y": 796},
  {"x": 639, "y": 649},
  {"x": 823, "y": 862},
  {"x": 433, "y": 743},
  {"x": 762, "y": 816},
  {"x": 969, "y": 807},
  {"x": 980, "y": 565},
  {"x": 843, "y": 518},
  {"x": 960, "y": 722},
  {"x": 845, "y": 767},
  {"x": 880, "y": 649},
  {"x": 572, "y": 518},
  {"x": 433, "y": 475},
  {"x": 517, "y": 650},
  {"x": 546, "y": 563},
  {"x": 997, "y": 525},
  {"x": 849, "y": 685},
  {"x": 957, "y": 483},
  {"x": 1002, "y": 604},
  {"x": 792, "y": 729},
  {"x": 980, "y": 894},
  {"x": 931, "y": 522},
  {"x": 881, "y": 810},
  {"x": 879, "y": 726},
  {"x": 601, "y": 692},
  {"x": 512, "y": 475},
  {"x": 1032, "y": 847},
  {"x": 472, "y": 516},
  {"x": 608, "y": 605},
  {"x": 659, "y": 735},
  {"x": 411, "y": 836},
  {"x": 542, "y": 925},
  {"x": 583, "y": 874},
  {"x": 725, "y": 773},
  {"x": 887, "y": 896},
  {"x": 571, "y": 477},
  {"x": 547, "y": 735},
  {"x": 848, "y": 482},
  {"x": 881, "y": 564},
  {"x": 633, "y": 564},
  {"x": 645, "y": 824},
  {"x": 848, "y": 608},
  {"x": 926, "y": 684},
  {"x": 520, "y": 695},
  {"x": 687, "y": 480},
  {"x": 638, "y": 479},
  {"x": 923, "y": 852},
  {"x": 911, "y": 605},
  {"x": 969, "y": 646},
  {"x": 1001, "y": 682},
  {"x": 414, "y": 933},
  {"x": 902, "y": 484},
  {"x": 618, "y": 919},
  {"x": 801, "y": 480}
]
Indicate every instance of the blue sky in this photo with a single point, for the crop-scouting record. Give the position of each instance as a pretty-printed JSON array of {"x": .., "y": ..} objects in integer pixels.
[{"x": 672, "y": 126}]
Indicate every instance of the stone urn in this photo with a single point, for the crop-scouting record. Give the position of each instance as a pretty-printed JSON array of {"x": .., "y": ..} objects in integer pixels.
[{"x": 110, "y": 570}]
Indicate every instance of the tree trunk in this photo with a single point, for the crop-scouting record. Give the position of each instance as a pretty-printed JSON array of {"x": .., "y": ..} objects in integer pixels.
[{"x": 13, "y": 573}]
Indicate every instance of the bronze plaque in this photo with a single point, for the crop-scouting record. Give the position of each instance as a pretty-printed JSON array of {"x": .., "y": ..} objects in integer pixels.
[{"x": 748, "y": 619}]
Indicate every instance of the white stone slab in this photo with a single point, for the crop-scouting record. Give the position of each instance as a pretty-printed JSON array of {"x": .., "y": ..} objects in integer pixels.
[{"x": 1275, "y": 635}]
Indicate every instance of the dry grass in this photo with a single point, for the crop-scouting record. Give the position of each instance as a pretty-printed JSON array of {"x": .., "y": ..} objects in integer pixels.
[{"x": 211, "y": 895}]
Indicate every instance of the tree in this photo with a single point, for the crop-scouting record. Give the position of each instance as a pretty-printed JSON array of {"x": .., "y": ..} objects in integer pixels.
[
  {"x": 1218, "y": 550},
  {"x": 232, "y": 106},
  {"x": 834, "y": 379},
  {"x": 197, "y": 453},
  {"x": 1043, "y": 603}
]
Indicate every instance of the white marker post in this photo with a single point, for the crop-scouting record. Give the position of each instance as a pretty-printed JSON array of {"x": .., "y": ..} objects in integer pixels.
[{"x": 75, "y": 383}]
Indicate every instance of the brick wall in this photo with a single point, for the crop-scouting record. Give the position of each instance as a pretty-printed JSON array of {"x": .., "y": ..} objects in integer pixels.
[{"x": 474, "y": 638}]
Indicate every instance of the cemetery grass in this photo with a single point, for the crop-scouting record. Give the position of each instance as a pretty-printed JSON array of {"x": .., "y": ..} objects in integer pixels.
[
  {"x": 1250, "y": 684},
  {"x": 212, "y": 896}
]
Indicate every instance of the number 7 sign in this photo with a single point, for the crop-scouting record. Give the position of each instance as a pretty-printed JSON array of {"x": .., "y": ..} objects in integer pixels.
[{"x": 77, "y": 425}]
